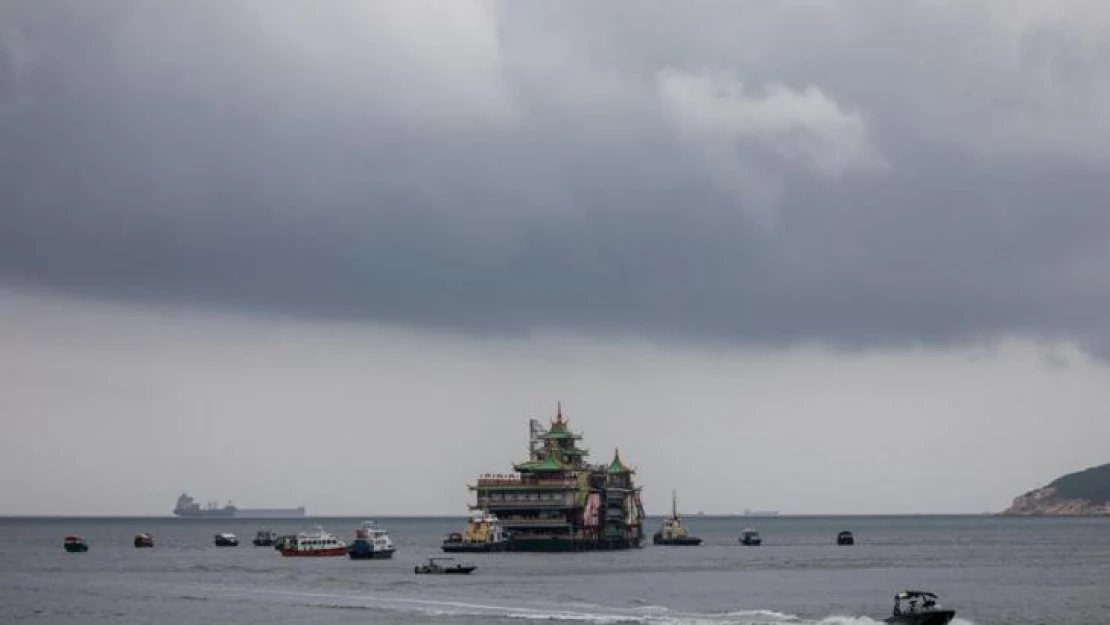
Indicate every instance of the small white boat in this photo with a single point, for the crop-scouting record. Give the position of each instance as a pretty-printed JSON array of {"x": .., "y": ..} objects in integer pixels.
[{"x": 226, "y": 539}]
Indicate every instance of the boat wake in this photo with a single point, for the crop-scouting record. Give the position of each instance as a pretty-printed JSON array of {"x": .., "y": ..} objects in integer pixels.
[{"x": 441, "y": 610}]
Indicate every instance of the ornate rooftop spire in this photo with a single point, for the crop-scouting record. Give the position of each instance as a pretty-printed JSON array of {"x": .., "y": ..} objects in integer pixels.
[{"x": 616, "y": 466}]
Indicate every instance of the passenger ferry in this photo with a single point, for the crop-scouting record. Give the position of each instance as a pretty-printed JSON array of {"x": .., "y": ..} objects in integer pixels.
[{"x": 314, "y": 544}]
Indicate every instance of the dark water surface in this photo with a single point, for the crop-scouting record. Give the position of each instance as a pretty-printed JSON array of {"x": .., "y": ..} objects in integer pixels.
[{"x": 991, "y": 570}]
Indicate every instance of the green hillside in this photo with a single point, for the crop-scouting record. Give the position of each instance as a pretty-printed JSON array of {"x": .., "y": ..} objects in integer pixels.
[{"x": 1091, "y": 484}]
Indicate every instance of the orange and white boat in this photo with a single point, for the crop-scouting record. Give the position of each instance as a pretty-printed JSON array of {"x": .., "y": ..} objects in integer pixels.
[{"x": 314, "y": 544}]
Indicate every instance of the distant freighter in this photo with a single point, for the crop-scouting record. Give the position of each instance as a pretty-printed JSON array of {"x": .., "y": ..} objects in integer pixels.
[
  {"x": 750, "y": 512},
  {"x": 186, "y": 507}
]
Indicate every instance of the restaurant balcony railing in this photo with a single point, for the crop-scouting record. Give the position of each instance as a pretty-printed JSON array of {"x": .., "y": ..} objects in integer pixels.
[
  {"x": 519, "y": 522},
  {"x": 510, "y": 480},
  {"x": 483, "y": 503}
]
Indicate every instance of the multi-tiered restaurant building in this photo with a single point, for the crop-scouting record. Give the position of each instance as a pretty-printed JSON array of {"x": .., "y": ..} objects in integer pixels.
[{"x": 557, "y": 501}]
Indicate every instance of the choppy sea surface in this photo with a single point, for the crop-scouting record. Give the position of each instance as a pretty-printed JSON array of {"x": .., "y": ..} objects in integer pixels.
[{"x": 991, "y": 570}]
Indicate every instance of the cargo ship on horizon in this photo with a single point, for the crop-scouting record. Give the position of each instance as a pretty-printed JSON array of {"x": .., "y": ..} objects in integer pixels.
[
  {"x": 557, "y": 501},
  {"x": 187, "y": 507}
]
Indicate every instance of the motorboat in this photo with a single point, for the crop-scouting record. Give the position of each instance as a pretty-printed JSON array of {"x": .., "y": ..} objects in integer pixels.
[
  {"x": 265, "y": 538},
  {"x": 845, "y": 538},
  {"x": 75, "y": 544},
  {"x": 143, "y": 540},
  {"x": 918, "y": 607},
  {"x": 751, "y": 538},
  {"x": 226, "y": 539},
  {"x": 433, "y": 567},
  {"x": 673, "y": 531},
  {"x": 371, "y": 542},
  {"x": 318, "y": 543},
  {"x": 483, "y": 533}
]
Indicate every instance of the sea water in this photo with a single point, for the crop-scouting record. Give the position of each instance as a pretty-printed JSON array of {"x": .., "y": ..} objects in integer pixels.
[{"x": 1016, "y": 571}]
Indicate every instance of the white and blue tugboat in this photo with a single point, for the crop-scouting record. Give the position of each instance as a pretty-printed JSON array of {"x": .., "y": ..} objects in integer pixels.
[{"x": 371, "y": 542}]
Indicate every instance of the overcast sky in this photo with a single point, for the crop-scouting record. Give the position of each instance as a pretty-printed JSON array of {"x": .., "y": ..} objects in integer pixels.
[{"x": 254, "y": 250}]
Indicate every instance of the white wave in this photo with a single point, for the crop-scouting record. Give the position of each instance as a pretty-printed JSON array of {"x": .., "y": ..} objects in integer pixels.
[{"x": 591, "y": 614}]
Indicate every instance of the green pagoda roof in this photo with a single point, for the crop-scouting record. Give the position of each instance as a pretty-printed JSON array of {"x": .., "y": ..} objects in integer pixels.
[
  {"x": 550, "y": 463},
  {"x": 617, "y": 467},
  {"x": 560, "y": 427}
]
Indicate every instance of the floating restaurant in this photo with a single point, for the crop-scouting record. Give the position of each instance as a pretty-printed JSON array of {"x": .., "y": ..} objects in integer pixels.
[{"x": 557, "y": 501}]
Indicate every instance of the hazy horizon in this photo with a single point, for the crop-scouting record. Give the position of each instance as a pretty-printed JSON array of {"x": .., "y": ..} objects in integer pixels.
[{"x": 815, "y": 257}]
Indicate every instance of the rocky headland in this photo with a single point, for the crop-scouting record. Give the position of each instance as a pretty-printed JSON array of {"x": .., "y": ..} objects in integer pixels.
[{"x": 1083, "y": 493}]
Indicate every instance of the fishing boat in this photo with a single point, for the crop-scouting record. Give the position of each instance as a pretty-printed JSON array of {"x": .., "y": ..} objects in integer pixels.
[
  {"x": 316, "y": 544},
  {"x": 265, "y": 538},
  {"x": 751, "y": 538},
  {"x": 143, "y": 541},
  {"x": 75, "y": 544},
  {"x": 371, "y": 542},
  {"x": 673, "y": 532},
  {"x": 845, "y": 538},
  {"x": 433, "y": 567},
  {"x": 483, "y": 533},
  {"x": 918, "y": 607},
  {"x": 226, "y": 539}
]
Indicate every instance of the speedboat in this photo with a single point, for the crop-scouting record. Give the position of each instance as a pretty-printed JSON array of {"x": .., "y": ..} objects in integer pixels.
[
  {"x": 265, "y": 538},
  {"x": 845, "y": 538},
  {"x": 371, "y": 542},
  {"x": 319, "y": 544},
  {"x": 75, "y": 544},
  {"x": 433, "y": 567},
  {"x": 225, "y": 539},
  {"x": 673, "y": 532},
  {"x": 918, "y": 607},
  {"x": 483, "y": 533},
  {"x": 143, "y": 540},
  {"x": 750, "y": 537}
]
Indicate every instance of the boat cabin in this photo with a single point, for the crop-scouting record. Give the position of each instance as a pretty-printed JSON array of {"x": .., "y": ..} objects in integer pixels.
[
  {"x": 750, "y": 537},
  {"x": 226, "y": 539},
  {"x": 845, "y": 538},
  {"x": 265, "y": 538},
  {"x": 914, "y": 602},
  {"x": 75, "y": 544}
]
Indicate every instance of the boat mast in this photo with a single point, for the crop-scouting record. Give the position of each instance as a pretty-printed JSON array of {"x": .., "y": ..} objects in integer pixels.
[{"x": 674, "y": 504}]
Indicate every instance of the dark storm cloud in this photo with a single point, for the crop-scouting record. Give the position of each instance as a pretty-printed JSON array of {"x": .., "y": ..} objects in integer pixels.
[{"x": 858, "y": 174}]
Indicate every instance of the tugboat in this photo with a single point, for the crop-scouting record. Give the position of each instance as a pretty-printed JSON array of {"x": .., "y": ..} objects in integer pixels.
[
  {"x": 371, "y": 543},
  {"x": 226, "y": 539},
  {"x": 845, "y": 538},
  {"x": 918, "y": 607},
  {"x": 673, "y": 531},
  {"x": 750, "y": 537},
  {"x": 483, "y": 534},
  {"x": 318, "y": 544},
  {"x": 557, "y": 500},
  {"x": 75, "y": 544},
  {"x": 265, "y": 538},
  {"x": 143, "y": 540},
  {"x": 433, "y": 567}
]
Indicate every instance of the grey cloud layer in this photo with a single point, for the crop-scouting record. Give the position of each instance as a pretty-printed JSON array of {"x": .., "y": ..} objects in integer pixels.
[{"x": 859, "y": 174}]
